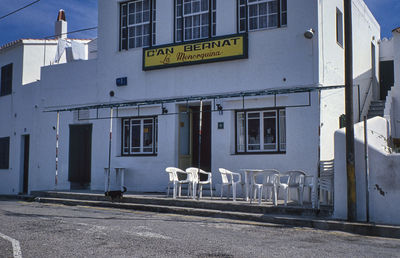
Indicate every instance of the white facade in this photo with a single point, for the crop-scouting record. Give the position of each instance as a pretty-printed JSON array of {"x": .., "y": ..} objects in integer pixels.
[
  {"x": 21, "y": 110},
  {"x": 278, "y": 58}
]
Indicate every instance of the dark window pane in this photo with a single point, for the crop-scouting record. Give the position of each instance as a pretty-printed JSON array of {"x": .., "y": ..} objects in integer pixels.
[
  {"x": 131, "y": 32},
  {"x": 196, "y": 32},
  {"x": 253, "y": 131},
  {"x": 139, "y": 30},
  {"x": 273, "y": 20},
  {"x": 138, "y": 17},
  {"x": 132, "y": 43},
  {"x": 124, "y": 9},
  {"x": 204, "y": 19},
  {"x": 131, "y": 7},
  {"x": 124, "y": 44},
  {"x": 263, "y": 9},
  {"x": 139, "y": 42},
  {"x": 146, "y": 5},
  {"x": 135, "y": 136},
  {"x": 253, "y": 10},
  {"x": 269, "y": 130},
  {"x": 284, "y": 19},
  {"x": 196, "y": 7},
  {"x": 139, "y": 6},
  {"x": 263, "y": 22},
  {"x": 284, "y": 5},
  {"x": 187, "y": 8},
  {"x": 6, "y": 80},
  {"x": 273, "y": 7},
  {"x": 146, "y": 16}
]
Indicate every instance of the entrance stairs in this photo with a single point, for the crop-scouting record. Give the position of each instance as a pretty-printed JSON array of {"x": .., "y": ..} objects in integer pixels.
[{"x": 376, "y": 108}]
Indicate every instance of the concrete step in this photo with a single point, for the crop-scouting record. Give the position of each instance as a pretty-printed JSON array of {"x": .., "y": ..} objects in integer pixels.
[
  {"x": 206, "y": 203},
  {"x": 378, "y": 102},
  {"x": 376, "y": 108}
]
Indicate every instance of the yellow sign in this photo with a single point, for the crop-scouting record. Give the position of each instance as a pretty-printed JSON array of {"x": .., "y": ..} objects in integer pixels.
[{"x": 202, "y": 51}]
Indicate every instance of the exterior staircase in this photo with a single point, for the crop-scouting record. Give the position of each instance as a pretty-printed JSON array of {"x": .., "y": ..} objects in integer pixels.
[{"x": 377, "y": 108}]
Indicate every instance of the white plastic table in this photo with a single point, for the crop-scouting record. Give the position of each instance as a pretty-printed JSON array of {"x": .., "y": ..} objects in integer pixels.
[
  {"x": 118, "y": 171},
  {"x": 248, "y": 174}
]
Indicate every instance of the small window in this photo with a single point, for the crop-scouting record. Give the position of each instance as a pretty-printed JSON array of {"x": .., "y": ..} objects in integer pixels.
[
  {"x": 139, "y": 136},
  {"x": 339, "y": 27},
  {"x": 261, "y": 131},
  {"x": 6, "y": 80},
  {"x": 4, "y": 152},
  {"x": 137, "y": 23},
  {"x": 194, "y": 19},
  {"x": 261, "y": 14}
]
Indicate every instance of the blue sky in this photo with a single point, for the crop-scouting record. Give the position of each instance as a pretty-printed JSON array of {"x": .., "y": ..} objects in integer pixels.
[{"x": 37, "y": 21}]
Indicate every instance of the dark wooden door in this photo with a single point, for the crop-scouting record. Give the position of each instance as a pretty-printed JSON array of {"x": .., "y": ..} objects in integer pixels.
[
  {"x": 205, "y": 148},
  {"x": 80, "y": 155},
  {"x": 26, "y": 164},
  {"x": 386, "y": 74}
]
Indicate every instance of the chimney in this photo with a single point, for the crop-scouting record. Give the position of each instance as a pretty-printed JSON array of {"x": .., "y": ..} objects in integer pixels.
[{"x": 61, "y": 25}]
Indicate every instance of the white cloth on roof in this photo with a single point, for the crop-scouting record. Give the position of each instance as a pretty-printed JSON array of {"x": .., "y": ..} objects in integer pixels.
[
  {"x": 61, "y": 46},
  {"x": 78, "y": 50}
]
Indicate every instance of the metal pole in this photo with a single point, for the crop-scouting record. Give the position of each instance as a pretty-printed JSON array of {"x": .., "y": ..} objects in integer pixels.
[
  {"x": 350, "y": 164},
  {"x": 366, "y": 168},
  {"x": 200, "y": 132},
  {"x": 57, "y": 137},
  {"x": 109, "y": 150}
]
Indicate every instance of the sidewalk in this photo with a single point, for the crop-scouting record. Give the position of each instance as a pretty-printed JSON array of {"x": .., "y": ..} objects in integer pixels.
[{"x": 290, "y": 215}]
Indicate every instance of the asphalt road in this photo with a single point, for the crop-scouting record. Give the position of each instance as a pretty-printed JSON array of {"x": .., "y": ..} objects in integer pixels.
[{"x": 45, "y": 230}]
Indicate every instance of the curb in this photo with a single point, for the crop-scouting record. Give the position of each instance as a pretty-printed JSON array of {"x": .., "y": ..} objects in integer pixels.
[{"x": 322, "y": 224}]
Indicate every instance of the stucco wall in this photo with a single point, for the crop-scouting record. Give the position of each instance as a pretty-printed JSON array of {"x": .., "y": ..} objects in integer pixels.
[
  {"x": 383, "y": 170},
  {"x": 10, "y": 117}
]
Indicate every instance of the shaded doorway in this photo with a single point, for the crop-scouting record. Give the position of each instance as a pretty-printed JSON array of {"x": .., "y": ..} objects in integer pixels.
[
  {"x": 189, "y": 137},
  {"x": 25, "y": 163},
  {"x": 80, "y": 156},
  {"x": 386, "y": 74}
]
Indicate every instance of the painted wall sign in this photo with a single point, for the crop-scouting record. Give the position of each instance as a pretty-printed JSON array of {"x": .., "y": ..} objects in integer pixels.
[{"x": 196, "y": 52}]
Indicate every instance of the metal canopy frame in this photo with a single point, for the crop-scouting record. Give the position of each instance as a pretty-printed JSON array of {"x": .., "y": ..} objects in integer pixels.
[
  {"x": 186, "y": 99},
  {"x": 161, "y": 101}
]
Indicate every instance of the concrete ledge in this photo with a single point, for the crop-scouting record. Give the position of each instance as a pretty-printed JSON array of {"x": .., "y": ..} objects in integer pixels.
[
  {"x": 213, "y": 204},
  {"x": 357, "y": 228}
]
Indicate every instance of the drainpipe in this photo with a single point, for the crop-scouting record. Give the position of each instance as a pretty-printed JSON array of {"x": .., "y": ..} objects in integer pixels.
[{"x": 350, "y": 159}]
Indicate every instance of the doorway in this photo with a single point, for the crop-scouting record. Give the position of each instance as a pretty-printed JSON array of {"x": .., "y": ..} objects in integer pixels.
[
  {"x": 386, "y": 74},
  {"x": 25, "y": 163},
  {"x": 189, "y": 118},
  {"x": 80, "y": 156}
]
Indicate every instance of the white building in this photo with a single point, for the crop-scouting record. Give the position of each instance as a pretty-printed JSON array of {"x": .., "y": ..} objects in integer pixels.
[
  {"x": 21, "y": 62},
  {"x": 275, "y": 58}
]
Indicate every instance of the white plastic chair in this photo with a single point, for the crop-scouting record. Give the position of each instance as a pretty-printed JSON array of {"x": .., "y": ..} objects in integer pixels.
[
  {"x": 196, "y": 178},
  {"x": 171, "y": 177},
  {"x": 180, "y": 177},
  {"x": 326, "y": 182},
  {"x": 229, "y": 180},
  {"x": 270, "y": 182},
  {"x": 292, "y": 179},
  {"x": 311, "y": 184}
]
